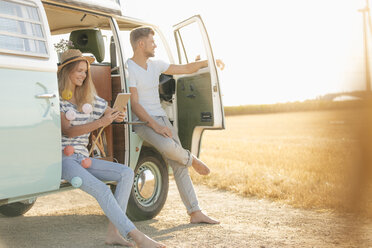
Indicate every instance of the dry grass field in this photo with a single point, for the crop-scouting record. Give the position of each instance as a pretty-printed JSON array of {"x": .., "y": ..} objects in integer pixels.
[{"x": 305, "y": 159}]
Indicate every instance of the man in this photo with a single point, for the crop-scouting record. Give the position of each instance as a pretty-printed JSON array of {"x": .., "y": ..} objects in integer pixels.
[{"x": 145, "y": 101}]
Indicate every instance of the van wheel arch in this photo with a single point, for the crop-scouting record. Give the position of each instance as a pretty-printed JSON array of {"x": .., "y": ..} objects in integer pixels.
[{"x": 17, "y": 208}]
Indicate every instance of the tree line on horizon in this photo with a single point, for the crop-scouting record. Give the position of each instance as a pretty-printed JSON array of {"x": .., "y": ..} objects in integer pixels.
[{"x": 326, "y": 102}]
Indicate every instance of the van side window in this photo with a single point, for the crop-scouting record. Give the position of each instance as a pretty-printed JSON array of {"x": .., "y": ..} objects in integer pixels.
[{"x": 21, "y": 29}]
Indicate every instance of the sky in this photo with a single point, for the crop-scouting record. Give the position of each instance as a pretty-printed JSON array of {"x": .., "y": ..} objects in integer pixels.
[{"x": 274, "y": 50}]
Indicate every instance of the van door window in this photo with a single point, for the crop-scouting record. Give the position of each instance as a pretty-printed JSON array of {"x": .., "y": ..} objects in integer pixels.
[
  {"x": 192, "y": 47},
  {"x": 21, "y": 29}
]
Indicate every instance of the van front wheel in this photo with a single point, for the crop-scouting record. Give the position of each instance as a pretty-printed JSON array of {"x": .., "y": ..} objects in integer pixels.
[
  {"x": 150, "y": 188},
  {"x": 17, "y": 208}
]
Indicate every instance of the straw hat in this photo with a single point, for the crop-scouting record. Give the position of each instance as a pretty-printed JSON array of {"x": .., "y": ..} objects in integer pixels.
[{"x": 72, "y": 55}]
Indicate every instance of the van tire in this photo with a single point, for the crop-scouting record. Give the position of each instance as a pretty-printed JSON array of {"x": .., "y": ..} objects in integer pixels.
[
  {"x": 17, "y": 208},
  {"x": 139, "y": 207}
]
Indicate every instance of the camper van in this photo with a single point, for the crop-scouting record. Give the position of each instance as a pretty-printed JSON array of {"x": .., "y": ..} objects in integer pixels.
[{"x": 31, "y": 34}]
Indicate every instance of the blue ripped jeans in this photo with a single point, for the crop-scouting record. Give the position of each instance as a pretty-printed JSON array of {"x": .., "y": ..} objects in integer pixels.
[{"x": 114, "y": 206}]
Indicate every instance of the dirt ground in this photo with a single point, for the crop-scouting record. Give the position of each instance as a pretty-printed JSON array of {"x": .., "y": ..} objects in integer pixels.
[{"x": 74, "y": 219}]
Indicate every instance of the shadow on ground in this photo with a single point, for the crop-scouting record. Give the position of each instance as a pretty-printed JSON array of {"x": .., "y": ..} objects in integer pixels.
[{"x": 69, "y": 231}]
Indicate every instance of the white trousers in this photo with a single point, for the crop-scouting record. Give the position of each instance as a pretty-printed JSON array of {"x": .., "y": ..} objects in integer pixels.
[{"x": 177, "y": 157}]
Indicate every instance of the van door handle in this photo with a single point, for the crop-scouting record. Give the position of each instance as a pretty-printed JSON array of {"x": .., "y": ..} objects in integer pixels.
[{"x": 46, "y": 96}]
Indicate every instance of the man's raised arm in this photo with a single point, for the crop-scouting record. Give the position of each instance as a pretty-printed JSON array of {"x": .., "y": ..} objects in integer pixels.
[{"x": 191, "y": 67}]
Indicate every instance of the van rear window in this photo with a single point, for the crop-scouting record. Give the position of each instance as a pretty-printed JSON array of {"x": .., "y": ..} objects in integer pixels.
[{"x": 21, "y": 29}]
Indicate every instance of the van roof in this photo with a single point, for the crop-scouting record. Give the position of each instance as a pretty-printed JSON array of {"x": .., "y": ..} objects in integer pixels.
[
  {"x": 105, "y": 6},
  {"x": 65, "y": 20}
]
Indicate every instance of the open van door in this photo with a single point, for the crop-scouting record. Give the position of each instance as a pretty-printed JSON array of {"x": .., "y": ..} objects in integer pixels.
[{"x": 198, "y": 95}]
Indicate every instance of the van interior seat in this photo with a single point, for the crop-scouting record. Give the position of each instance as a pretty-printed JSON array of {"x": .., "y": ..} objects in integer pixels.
[
  {"x": 101, "y": 77},
  {"x": 89, "y": 41}
]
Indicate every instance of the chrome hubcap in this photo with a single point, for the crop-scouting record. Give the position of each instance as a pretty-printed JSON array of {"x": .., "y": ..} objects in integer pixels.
[{"x": 147, "y": 184}]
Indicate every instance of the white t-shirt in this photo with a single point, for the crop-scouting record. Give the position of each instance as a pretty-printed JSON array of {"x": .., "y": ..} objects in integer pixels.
[{"x": 147, "y": 84}]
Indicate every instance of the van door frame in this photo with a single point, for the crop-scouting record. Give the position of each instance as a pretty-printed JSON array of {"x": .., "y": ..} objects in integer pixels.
[{"x": 120, "y": 50}]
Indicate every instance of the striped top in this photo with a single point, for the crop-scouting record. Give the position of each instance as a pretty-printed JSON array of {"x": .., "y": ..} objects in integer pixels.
[{"x": 80, "y": 143}]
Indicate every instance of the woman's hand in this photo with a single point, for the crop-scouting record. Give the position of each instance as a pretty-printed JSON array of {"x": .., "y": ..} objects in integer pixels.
[
  {"x": 121, "y": 115},
  {"x": 109, "y": 116}
]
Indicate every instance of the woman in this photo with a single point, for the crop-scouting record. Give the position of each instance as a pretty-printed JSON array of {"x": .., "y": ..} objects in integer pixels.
[{"x": 82, "y": 111}]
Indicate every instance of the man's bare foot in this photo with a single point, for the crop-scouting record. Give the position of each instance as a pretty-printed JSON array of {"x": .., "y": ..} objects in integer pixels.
[
  {"x": 200, "y": 217},
  {"x": 199, "y": 166},
  {"x": 117, "y": 240},
  {"x": 144, "y": 241}
]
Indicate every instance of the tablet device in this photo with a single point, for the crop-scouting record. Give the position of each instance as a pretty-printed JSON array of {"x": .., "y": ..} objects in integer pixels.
[{"x": 121, "y": 101}]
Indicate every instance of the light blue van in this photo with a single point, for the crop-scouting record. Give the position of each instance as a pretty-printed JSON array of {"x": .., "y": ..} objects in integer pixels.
[{"x": 30, "y": 132}]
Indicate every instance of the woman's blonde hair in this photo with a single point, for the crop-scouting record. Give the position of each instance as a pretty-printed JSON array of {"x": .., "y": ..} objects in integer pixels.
[{"x": 84, "y": 93}]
